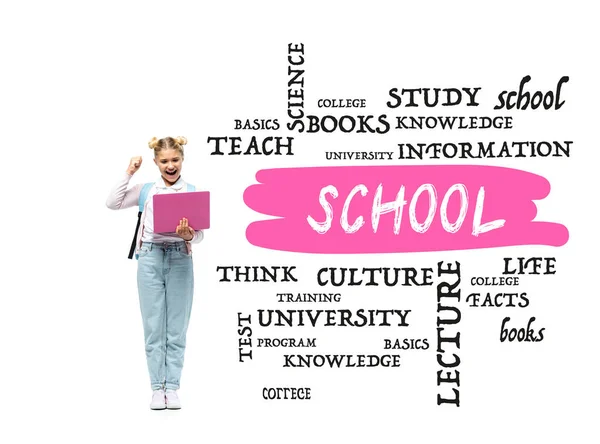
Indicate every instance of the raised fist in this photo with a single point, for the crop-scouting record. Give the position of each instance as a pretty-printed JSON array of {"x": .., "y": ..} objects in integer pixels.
[{"x": 134, "y": 165}]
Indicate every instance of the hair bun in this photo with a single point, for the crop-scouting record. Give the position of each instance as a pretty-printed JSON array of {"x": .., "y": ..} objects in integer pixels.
[
  {"x": 180, "y": 140},
  {"x": 153, "y": 143}
]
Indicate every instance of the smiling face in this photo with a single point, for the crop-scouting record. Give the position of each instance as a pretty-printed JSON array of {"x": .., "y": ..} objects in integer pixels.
[{"x": 169, "y": 163}]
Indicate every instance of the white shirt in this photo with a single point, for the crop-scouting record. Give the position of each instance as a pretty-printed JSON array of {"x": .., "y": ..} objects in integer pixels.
[{"x": 120, "y": 197}]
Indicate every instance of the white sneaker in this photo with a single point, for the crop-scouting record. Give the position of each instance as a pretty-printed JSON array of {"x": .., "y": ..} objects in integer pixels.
[
  {"x": 173, "y": 402},
  {"x": 158, "y": 400}
]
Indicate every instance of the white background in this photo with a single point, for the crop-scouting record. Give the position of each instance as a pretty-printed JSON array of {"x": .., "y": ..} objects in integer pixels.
[{"x": 85, "y": 85}]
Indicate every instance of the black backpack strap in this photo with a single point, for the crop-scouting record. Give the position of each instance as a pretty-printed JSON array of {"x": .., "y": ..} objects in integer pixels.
[
  {"x": 137, "y": 227},
  {"x": 141, "y": 202}
]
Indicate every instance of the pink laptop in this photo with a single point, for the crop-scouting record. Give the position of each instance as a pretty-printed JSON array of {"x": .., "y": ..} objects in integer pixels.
[{"x": 170, "y": 208}]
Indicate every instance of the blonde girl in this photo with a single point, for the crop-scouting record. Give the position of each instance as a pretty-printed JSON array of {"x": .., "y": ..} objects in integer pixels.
[{"x": 165, "y": 273}]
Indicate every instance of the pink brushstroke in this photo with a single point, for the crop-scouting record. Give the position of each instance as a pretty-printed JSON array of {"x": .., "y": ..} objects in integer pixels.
[{"x": 292, "y": 194}]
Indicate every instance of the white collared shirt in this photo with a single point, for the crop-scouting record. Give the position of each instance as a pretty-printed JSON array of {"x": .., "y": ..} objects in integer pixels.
[{"x": 121, "y": 197}]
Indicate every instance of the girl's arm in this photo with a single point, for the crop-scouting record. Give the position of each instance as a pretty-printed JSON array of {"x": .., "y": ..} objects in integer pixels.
[
  {"x": 120, "y": 197},
  {"x": 198, "y": 236}
]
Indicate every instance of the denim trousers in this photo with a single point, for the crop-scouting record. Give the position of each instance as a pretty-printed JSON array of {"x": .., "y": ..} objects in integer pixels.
[{"x": 166, "y": 286}]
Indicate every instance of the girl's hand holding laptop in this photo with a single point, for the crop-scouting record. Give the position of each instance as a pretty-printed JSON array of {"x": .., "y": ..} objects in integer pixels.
[{"x": 184, "y": 231}]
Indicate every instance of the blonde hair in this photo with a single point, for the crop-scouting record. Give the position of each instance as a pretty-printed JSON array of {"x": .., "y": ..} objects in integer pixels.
[{"x": 167, "y": 143}]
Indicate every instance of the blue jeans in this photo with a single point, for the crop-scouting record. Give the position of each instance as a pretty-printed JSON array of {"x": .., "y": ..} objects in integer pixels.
[{"x": 166, "y": 287}]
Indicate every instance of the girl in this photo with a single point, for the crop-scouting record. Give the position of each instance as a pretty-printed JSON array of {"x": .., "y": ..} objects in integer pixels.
[{"x": 165, "y": 274}]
